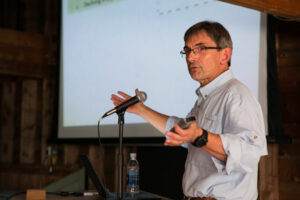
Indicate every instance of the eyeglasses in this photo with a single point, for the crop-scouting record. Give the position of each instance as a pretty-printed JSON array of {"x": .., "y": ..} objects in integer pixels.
[{"x": 196, "y": 50}]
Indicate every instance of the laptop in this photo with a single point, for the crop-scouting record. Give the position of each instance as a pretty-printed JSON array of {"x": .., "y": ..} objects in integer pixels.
[{"x": 104, "y": 192}]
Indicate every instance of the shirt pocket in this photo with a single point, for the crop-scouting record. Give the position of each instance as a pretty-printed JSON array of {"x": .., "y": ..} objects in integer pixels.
[{"x": 212, "y": 123}]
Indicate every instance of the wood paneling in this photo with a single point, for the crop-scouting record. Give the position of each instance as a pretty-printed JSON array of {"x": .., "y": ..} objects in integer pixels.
[
  {"x": 24, "y": 54},
  {"x": 21, "y": 39},
  {"x": 291, "y": 108},
  {"x": 289, "y": 167},
  {"x": 268, "y": 175},
  {"x": 28, "y": 70},
  {"x": 28, "y": 121},
  {"x": 109, "y": 153},
  {"x": 289, "y": 190},
  {"x": 292, "y": 129},
  {"x": 288, "y": 57},
  {"x": 47, "y": 128},
  {"x": 14, "y": 68},
  {"x": 289, "y": 79},
  {"x": 283, "y": 8},
  {"x": 287, "y": 35},
  {"x": 10, "y": 14},
  {"x": 34, "y": 16},
  {"x": 7, "y": 128}
]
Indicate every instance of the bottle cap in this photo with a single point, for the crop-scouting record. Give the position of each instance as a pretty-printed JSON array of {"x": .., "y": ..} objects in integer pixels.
[{"x": 133, "y": 155}]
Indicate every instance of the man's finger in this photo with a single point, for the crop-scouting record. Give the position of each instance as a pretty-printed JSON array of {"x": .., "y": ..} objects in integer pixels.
[
  {"x": 172, "y": 142},
  {"x": 126, "y": 96},
  {"x": 178, "y": 129}
]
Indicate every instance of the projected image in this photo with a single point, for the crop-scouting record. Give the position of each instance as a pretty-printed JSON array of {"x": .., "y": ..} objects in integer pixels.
[{"x": 112, "y": 45}]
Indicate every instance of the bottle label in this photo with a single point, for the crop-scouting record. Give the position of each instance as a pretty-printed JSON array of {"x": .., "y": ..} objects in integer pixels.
[{"x": 132, "y": 179}]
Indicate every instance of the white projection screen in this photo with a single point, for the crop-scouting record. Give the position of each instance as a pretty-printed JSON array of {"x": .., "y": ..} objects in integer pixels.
[{"x": 112, "y": 45}]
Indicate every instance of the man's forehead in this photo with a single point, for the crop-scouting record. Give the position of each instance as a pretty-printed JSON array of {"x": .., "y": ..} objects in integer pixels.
[
  {"x": 194, "y": 45},
  {"x": 198, "y": 39}
]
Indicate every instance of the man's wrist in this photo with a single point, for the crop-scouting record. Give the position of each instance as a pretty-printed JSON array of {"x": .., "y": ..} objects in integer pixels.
[
  {"x": 201, "y": 140},
  {"x": 142, "y": 109}
]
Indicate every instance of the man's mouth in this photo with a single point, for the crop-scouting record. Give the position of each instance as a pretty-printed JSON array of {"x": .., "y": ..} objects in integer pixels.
[{"x": 193, "y": 67}]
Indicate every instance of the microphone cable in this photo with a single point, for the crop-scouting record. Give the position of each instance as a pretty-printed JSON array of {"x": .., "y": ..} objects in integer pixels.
[
  {"x": 101, "y": 152},
  {"x": 98, "y": 128}
]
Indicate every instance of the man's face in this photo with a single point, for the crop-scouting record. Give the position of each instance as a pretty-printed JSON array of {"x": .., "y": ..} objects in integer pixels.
[{"x": 206, "y": 65}]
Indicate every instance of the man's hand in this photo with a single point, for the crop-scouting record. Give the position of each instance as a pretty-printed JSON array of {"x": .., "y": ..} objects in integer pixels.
[
  {"x": 214, "y": 145},
  {"x": 117, "y": 100},
  {"x": 156, "y": 119},
  {"x": 182, "y": 135}
]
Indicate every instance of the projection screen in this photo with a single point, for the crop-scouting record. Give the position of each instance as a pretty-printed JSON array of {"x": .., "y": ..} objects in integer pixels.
[{"x": 112, "y": 45}]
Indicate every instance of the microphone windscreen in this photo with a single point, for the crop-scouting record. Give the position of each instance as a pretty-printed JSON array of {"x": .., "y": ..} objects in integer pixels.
[{"x": 142, "y": 96}]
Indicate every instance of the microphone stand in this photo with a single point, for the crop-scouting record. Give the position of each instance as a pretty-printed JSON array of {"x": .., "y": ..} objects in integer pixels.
[{"x": 120, "y": 155}]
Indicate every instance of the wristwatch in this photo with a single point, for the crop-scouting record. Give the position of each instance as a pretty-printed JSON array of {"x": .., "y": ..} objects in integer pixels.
[{"x": 201, "y": 140}]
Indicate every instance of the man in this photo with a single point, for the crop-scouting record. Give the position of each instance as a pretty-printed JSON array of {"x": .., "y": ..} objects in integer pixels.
[{"x": 228, "y": 138}]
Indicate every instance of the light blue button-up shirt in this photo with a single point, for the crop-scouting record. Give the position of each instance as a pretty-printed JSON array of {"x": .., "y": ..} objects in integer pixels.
[{"x": 227, "y": 108}]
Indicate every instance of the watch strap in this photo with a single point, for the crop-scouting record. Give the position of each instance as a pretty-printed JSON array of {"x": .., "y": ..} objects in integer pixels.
[{"x": 201, "y": 140}]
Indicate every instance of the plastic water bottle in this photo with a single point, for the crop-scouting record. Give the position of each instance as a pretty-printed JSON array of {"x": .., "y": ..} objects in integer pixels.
[{"x": 133, "y": 168}]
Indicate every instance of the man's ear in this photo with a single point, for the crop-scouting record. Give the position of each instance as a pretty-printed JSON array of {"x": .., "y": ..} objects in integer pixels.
[{"x": 225, "y": 55}]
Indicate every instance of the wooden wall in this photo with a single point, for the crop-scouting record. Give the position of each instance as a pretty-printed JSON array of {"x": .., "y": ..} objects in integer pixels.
[
  {"x": 28, "y": 106},
  {"x": 288, "y": 58},
  {"x": 28, "y": 101}
]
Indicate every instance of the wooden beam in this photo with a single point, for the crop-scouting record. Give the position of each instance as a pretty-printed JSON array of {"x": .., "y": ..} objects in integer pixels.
[
  {"x": 21, "y": 39},
  {"x": 282, "y": 8},
  {"x": 25, "y": 55},
  {"x": 26, "y": 70}
]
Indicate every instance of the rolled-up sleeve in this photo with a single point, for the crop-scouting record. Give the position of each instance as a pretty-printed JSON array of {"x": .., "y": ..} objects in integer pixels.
[
  {"x": 170, "y": 123},
  {"x": 243, "y": 136}
]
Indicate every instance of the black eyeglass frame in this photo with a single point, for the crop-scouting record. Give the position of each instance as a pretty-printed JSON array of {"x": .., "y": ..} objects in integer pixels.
[{"x": 184, "y": 52}]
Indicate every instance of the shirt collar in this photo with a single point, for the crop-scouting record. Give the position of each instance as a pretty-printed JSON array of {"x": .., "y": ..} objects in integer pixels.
[{"x": 220, "y": 80}]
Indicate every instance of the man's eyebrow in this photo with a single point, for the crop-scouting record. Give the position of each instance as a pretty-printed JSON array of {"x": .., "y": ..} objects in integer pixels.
[{"x": 198, "y": 44}]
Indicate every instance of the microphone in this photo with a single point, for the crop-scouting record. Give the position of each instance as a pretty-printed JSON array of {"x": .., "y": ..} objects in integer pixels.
[{"x": 140, "y": 97}]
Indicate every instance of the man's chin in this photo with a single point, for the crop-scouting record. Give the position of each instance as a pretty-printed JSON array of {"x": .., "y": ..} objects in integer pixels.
[{"x": 194, "y": 76}]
